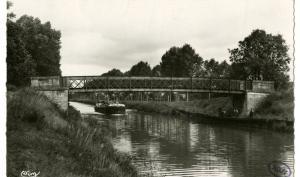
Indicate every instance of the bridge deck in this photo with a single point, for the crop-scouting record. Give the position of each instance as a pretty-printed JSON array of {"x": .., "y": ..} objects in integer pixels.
[
  {"x": 156, "y": 90},
  {"x": 150, "y": 84}
]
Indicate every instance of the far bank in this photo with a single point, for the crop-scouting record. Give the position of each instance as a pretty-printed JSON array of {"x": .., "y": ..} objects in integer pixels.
[{"x": 275, "y": 112}]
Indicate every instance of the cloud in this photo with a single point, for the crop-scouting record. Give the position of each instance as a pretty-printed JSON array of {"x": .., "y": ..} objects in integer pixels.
[{"x": 98, "y": 35}]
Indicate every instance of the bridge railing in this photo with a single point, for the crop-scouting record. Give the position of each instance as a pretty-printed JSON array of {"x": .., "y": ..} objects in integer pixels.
[
  {"x": 263, "y": 86},
  {"x": 46, "y": 82},
  {"x": 172, "y": 83},
  {"x": 151, "y": 83}
]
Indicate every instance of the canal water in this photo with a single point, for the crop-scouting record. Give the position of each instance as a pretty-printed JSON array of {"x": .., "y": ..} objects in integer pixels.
[{"x": 172, "y": 146}]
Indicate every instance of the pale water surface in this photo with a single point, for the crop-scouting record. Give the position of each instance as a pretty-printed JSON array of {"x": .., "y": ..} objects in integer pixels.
[{"x": 174, "y": 146}]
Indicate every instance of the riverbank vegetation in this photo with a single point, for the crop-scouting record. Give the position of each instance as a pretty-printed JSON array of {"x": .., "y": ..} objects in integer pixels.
[
  {"x": 205, "y": 106},
  {"x": 42, "y": 138},
  {"x": 278, "y": 105},
  {"x": 275, "y": 113}
]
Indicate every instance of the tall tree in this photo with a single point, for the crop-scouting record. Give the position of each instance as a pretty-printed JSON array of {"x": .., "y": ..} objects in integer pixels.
[
  {"x": 213, "y": 68},
  {"x": 43, "y": 43},
  {"x": 113, "y": 72},
  {"x": 140, "y": 69},
  {"x": 32, "y": 49},
  {"x": 224, "y": 69},
  {"x": 180, "y": 62},
  {"x": 20, "y": 65},
  {"x": 261, "y": 56}
]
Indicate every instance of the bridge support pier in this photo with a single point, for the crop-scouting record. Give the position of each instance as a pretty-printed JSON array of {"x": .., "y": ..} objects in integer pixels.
[
  {"x": 52, "y": 89},
  {"x": 58, "y": 97},
  {"x": 251, "y": 102}
]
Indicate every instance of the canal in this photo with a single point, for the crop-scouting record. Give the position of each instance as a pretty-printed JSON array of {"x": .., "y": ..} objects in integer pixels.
[{"x": 175, "y": 146}]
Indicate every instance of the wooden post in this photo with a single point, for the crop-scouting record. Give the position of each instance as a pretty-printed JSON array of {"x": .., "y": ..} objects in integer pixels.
[
  {"x": 84, "y": 83},
  {"x": 60, "y": 81},
  {"x": 171, "y": 83},
  {"x": 187, "y": 96},
  {"x": 210, "y": 84},
  {"x": 67, "y": 80},
  {"x": 107, "y": 83},
  {"x": 140, "y": 96},
  {"x": 229, "y": 85}
]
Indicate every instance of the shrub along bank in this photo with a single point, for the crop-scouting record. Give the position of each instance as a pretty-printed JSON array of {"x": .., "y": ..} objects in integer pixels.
[
  {"x": 42, "y": 138},
  {"x": 279, "y": 106},
  {"x": 205, "y": 106}
]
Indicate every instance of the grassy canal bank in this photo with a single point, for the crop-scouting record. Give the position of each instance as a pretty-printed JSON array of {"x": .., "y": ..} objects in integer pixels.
[
  {"x": 42, "y": 138},
  {"x": 275, "y": 113}
]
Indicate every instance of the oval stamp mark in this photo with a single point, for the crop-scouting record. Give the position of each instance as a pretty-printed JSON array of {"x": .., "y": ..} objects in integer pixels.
[{"x": 279, "y": 169}]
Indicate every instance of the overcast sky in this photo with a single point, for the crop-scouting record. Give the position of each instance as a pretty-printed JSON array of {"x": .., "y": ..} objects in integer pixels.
[{"x": 99, "y": 35}]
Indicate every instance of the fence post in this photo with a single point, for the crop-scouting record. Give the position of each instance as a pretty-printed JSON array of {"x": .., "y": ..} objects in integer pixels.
[
  {"x": 60, "y": 81},
  {"x": 191, "y": 83},
  {"x": 210, "y": 88},
  {"x": 67, "y": 82},
  {"x": 187, "y": 96},
  {"x": 107, "y": 83},
  {"x": 172, "y": 83},
  {"x": 84, "y": 83},
  {"x": 210, "y": 84},
  {"x": 229, "y": 85}
]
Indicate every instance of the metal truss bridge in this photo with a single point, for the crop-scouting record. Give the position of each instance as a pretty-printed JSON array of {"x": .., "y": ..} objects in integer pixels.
[{"x": 159, "y": 84}]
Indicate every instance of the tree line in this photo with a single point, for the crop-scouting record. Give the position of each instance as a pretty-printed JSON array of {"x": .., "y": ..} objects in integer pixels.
[
  {"x": 33, "y": 49},
  {"x": 259, "y": 56},
  {"x": 174, "y": 65}
]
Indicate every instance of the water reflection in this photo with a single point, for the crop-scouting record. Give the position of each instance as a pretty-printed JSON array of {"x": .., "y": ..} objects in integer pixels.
[{"x": 172, "y": 146}]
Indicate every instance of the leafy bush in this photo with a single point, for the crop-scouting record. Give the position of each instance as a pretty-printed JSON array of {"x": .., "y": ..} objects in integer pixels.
[{"x": 279, "y": 105}]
